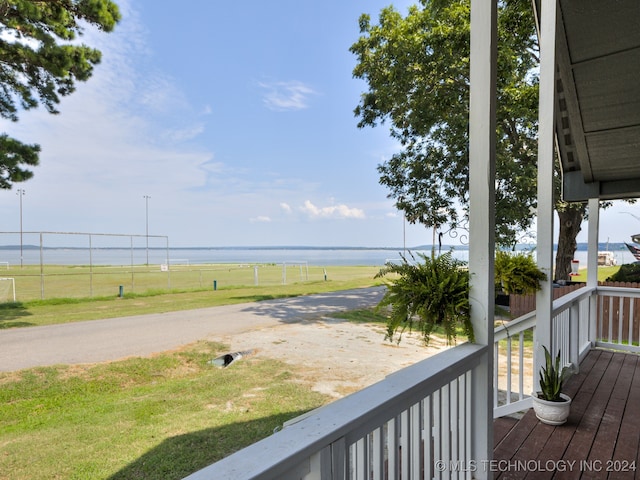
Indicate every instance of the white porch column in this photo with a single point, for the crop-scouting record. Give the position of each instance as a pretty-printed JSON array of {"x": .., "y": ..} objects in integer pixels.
[
  {"x": 546, "y": 155},
  {"x": 592, "y": 242},
  {"x": 592, "y": 263},
  {"x": 482, "y": 145}
]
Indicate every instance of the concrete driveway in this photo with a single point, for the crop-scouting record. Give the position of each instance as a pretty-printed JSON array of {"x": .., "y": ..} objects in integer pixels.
[{"x": 116, "y": 338}]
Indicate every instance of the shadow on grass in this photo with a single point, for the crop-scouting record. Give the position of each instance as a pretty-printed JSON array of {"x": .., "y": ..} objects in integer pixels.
[
  {"x": 177, "y": 457},
  {"x": 11, "y": 312}
]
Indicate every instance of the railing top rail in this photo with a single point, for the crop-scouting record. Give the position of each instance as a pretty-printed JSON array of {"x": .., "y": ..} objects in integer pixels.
[
  {"x": 515, "y": 326},
  {"x": 619, "y": 291},
  {"x": 561, "y": 303},
  {"x": 274, "y": 456}
]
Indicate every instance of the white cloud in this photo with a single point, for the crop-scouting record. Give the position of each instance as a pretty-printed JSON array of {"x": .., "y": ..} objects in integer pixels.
[
  {"x": 159, "y": 94},
  {"x": 283, "y": 96},
  {"x": 286, "y": 207},
  {"x": 184, "y": 134},
  {"x": 333, "y": 211},
  {"x": 260, "y": 219}
]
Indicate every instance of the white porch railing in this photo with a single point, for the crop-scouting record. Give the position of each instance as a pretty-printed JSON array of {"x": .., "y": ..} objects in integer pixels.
[
  {"x": 571, "y": 327},
  {"x": 607, "y": 317},
  {"x": 417, "y": 423},
  {"x": 513, "y": 365},
  {"x": 618, "y": 325}
]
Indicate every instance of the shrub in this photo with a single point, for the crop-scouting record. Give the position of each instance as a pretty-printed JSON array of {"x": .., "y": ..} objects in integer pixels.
[{"x": 629, "y": 272}]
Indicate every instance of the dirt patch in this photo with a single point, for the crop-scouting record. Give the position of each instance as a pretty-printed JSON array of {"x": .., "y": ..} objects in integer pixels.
[{"x": 339, "y": 357}]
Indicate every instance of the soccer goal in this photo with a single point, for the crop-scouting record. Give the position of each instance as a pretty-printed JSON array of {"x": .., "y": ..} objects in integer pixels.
[{"x": 7, "y": 290}]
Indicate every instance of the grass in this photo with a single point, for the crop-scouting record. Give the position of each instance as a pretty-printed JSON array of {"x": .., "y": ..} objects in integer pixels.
[
  {"x": 154, "y": 418},
  {"x": 603, "y": 274},
  {"x": 82, "y": 281},
  {"x": 73, "y": 309}
]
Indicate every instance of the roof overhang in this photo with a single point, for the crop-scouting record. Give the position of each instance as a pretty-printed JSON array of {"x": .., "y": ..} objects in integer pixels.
[{"x": 598, "y": 98}]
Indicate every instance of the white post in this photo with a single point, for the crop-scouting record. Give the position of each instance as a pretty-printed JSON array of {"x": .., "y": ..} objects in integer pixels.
[
  {"x": 482, "y": 145},
  {"x": 592, "y": 242},
  {"x": 592, "y": 264},
  {"x": 146, "y": 199},
  {"x": 546, "y": 155}
]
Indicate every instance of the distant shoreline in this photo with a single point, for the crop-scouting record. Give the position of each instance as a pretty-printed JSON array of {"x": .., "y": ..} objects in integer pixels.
[
  {"x": 580, "y": 247},
  {"x": 299, "y": 255}
]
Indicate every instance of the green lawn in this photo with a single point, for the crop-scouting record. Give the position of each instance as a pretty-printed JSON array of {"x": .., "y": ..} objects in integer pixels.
[
  {"x": 603, "y": 274},
  {"x": 154, "y": 418},
  {"x": 81, "y": 281}
]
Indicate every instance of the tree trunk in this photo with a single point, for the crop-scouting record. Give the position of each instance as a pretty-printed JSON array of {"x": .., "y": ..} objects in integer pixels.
[{"x": 570, "y": 225}]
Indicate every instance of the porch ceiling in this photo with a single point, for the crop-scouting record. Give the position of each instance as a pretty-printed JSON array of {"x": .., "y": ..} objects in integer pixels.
[{"x": 598, "y": 98}]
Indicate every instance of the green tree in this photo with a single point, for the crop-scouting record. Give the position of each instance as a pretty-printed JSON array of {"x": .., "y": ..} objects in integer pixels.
[
  {"x": 40, "y": 62},
  {"x": 417, "y": 71}
]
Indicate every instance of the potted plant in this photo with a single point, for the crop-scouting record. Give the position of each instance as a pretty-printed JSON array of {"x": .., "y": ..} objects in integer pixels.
[{"x": 550, "y": 404}]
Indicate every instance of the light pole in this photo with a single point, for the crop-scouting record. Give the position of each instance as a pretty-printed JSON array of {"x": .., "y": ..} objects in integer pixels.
[
  {"x": 146, "y": 199},
  {"x": 404, "y": 226},
  {"x": 20, "y": 192},
  {"x": 404, "y": 233}
]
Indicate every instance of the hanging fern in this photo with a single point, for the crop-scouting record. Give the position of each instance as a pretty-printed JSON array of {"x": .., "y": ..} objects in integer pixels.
[
  {"x": 517, "y": 273},
  {"x": 432, "y": 291}
]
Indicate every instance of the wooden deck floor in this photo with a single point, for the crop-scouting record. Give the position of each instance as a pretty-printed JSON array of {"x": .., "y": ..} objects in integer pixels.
[{"x": 600, "y": 439}]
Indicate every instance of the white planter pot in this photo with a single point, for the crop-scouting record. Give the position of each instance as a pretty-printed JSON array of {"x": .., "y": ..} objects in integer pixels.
[{"x": 552, "y": 413}]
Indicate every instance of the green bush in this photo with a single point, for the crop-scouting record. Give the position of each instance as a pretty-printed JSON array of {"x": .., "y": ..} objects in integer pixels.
[{"x": 629, "y": 272}]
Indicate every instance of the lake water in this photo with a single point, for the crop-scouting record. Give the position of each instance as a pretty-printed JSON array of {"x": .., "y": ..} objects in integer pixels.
[
  {"x": 312, "y": 256},
  {"x": 115, "y": 256}
]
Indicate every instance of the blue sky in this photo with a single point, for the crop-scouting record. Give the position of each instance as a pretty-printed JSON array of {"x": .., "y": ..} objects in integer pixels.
[{"x": 235, "y": 119}]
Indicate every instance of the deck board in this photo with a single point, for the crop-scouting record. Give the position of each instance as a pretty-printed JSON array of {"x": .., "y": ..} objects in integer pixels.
[
  {"x": 600, "y": 439},
  {"x": 629, "y": 435}
]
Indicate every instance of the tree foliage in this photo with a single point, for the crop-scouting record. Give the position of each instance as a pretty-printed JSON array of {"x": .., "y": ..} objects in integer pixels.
[
  {"x": 417, "y": 71},
  {"x": 40, "y": 62},
  {"x": 430, "y": 292}
]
